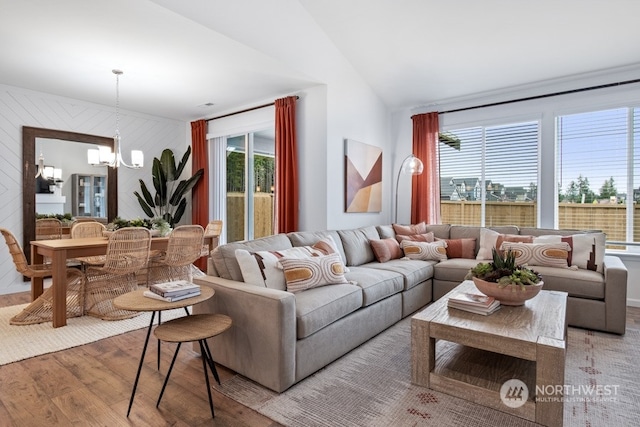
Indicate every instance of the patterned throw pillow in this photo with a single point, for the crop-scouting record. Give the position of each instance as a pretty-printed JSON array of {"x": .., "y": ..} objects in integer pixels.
[
  {"x": 587, "y": 249},
  {"x": 490, "y": 239},
  {"x": 386, "y": 249},
  {"x": 460, "y": 248},
  {"x": 426, "y": 237},
  {"x": 544, "y": 254},
  {"x": 262, "y": 268},
  {"x": 434, "y": 251},
  {"x": 307, "y": 273},
  {"x": 408, "y": 230}
]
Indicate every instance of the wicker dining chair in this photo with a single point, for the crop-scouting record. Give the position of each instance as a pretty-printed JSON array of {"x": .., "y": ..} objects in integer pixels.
[
  {"x": 41, "y": 309},
  {"x": 48, "y": 229},
  {"x": 214, "y": 229},
  {"x": 127, "y": 252},
  {"x": 184, "y": 247},
  {"x": 88, "y": 229}
]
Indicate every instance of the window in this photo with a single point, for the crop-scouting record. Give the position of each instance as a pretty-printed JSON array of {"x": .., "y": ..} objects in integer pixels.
[
  {"x": 250, "y": 191},
  {"x": 598, "y": 168},
  {"x": 489, "y": 175}
]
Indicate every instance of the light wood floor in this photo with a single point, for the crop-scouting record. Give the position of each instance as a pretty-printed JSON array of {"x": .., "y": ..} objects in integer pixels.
[{"x": 90, "y": 385}]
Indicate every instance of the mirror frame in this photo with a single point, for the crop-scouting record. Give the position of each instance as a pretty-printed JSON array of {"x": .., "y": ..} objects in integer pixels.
[{"x": 29, "y": 135}]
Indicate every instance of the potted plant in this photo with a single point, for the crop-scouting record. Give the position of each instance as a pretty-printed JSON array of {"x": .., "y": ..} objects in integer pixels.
[
  {"x": 504, "y": 280},
  {"x": 169, "y": 202},
  {"x": 158, "y": 226}
]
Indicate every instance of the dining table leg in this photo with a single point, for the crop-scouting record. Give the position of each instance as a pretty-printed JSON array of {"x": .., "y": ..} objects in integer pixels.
[
  {"x": 59, "y": 284},
  {"x": 37, "y": 283}
]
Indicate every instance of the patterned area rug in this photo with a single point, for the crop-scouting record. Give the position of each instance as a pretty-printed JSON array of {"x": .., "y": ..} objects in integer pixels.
[
  {"x": 371, "y": 386},
  {"x": 25, "y": 341}
]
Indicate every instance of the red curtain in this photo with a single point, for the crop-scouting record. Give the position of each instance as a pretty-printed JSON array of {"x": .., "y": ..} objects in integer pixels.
[
  {"x": 200, "y": 192},
  {"x": 425, "y": 188},
  {"x": 286, "y": 209}
]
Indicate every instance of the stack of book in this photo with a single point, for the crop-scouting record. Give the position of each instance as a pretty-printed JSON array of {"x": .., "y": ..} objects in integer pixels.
[
  {"x": 474, "y": 303},
  {"x": 173, "y": 291}
]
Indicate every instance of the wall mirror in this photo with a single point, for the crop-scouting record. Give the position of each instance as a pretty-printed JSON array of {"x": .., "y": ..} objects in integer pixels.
[{"x": 67, "y": 152}]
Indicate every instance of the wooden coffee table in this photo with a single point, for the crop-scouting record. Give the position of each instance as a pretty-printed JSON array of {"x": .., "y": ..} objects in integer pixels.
[{"x": 478, "y": 354}]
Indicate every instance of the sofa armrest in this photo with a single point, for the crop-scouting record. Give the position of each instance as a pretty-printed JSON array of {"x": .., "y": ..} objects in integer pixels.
[
  {"x": 261, "y": 342},
  {"x": 615, "y": 294}
]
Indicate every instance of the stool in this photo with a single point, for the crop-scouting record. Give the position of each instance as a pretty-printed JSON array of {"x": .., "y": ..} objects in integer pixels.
[{"x": 197, "y": 327}]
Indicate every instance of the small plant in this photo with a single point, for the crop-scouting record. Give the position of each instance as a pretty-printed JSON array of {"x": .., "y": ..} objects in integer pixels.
[
  {"x": 159, "y": 224},
  {"x": 504, "y": 271}
]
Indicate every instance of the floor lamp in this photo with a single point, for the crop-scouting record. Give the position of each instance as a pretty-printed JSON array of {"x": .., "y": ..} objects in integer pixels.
[{"x": 411, "y": 166}]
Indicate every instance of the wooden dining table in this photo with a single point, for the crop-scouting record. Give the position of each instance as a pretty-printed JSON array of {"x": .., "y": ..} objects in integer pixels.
[{"x": 60, "y": 250}]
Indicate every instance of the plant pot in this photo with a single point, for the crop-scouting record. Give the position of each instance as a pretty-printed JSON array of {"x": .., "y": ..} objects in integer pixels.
[{"x": 510, "y": 294}]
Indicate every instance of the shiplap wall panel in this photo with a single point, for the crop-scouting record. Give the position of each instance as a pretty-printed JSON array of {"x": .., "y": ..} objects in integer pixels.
[{"x": 21, "y": 107}]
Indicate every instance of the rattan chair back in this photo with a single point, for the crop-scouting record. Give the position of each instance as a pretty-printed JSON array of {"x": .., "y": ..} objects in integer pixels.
[
  {"x": 48, "y": 229},
  {"x": 87, "y": 229},
  {"x": 128, "y": 250},
  {"x": 214, "y": 228},
  {"x": 20, "y": 260},
  {"x": 185, "y": 245}
]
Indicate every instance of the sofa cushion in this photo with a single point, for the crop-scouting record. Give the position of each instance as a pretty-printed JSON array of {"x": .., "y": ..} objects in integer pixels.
[
  {"x": 309, "y": 238},
  {"x": 577, "y": 283},
  {"x": 376, "y": 284},
  {"x": 224, "y": 256},
  {"x": 411, "y": 229},
  {"x": 413, "y": 272},
  {"x": 539, "y": 254},
  {"x": 587, "y": 249},
  {"x": 386, "y": 249},
  {"x": 460, "y": 248},
  {"x": 357, "y": 249},
  {"x": 319, "y": 307},
  {"x": 454, "y": 270},
  {"x": 490, "y": 239},
  {"x": 425, "y": 237},
  {"x": 306, "y": 273},
  {"x": 434, "y": 251}
]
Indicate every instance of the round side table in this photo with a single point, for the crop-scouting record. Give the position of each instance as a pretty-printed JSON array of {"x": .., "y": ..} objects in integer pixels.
[{"x": 197, "y": 327}]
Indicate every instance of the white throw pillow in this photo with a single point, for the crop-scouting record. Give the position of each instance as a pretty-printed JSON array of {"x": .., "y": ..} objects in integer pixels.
[
  {"x": 307, "y": 273},
  {"x": 544, "y": 254}
]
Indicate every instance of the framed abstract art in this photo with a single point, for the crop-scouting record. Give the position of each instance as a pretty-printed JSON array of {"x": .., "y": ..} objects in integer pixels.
[{"x": 363, "y": 177}]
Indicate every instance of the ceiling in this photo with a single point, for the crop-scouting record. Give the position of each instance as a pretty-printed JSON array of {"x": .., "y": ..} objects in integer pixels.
[{"x": 178, "y": 56}]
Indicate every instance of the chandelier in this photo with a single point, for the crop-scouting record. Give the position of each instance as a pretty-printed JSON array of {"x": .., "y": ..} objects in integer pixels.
[
  {"x": 103, "y": 156},
  {"x": 47, "y": 172}
]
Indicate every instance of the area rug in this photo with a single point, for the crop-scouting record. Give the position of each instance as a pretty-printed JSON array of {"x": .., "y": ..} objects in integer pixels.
[
  {"x": 371, "y": 386},
  {"x": 22, "y": 342}
]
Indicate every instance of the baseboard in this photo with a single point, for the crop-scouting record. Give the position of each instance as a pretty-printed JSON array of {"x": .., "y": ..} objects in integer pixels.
[{"x": 632, "y": 302}]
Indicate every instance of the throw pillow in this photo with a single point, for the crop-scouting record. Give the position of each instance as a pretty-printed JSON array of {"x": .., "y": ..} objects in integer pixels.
[
  {"x": 543, "y": 254},
  {"x": 434, "y": 251},
  {"x": 490, "y": 239},
  {"x": 307, "y": 273},
  {"x": 587, "y": 249},
  {"x": 426, "y": 237},
  {"x": 262, "y": 268},
  {"x": 460, "y": 248},
  {"x": 408, "y": 230},
  {"x": 386, "y": 249}
]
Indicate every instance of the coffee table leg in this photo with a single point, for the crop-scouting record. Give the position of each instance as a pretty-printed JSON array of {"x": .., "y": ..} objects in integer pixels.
[
  {"x": 206, "y": 375},
  {"x": 166, "y": 380},
  {"x": 144, "y": 350},
  {"x": 209, "y": 358},
  {"x": 423, "y": 352},
  {"x": 550, "y": 362}
]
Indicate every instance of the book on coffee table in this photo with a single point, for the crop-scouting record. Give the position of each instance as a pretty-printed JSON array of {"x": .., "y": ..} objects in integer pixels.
[
  {"x": 174, "y": 289},
  {"x": 153, "y": 295},
  {"x": 474, "y": 303}
]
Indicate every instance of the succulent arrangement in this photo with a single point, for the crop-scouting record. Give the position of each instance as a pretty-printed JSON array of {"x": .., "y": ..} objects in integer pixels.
[
  {"x": 504, "y": 271},
  {"x": 159, "y": 224}
]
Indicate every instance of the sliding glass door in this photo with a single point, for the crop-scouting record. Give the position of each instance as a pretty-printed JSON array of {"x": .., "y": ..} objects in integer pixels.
[{"x": 250, "y": 190}]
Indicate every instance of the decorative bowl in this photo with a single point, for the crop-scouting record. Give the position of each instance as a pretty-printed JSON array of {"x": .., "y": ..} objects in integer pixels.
[{"x": 509, "y": 294}]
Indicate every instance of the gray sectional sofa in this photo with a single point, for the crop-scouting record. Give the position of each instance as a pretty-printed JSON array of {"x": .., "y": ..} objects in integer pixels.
[{"x": 278, "y": 338}]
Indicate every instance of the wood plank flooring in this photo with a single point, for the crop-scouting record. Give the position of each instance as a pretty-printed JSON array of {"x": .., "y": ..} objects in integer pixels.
[{"x": 90, "y": 385}]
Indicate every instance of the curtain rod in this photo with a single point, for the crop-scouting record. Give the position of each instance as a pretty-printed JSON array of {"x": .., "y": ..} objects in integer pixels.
[
  {"x": 566, "y": 92},
  {"x": 245, "y": 110}
]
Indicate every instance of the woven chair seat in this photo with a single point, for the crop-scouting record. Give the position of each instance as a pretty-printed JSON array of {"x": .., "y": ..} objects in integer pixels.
[{"x": 88, "y": 229}]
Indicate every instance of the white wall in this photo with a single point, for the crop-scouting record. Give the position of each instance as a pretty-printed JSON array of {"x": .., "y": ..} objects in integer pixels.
[{"x": 20, "y": 107}]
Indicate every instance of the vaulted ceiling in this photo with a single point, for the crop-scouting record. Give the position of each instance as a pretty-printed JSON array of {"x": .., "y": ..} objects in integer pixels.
[{"x": 178, "y": 56}]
